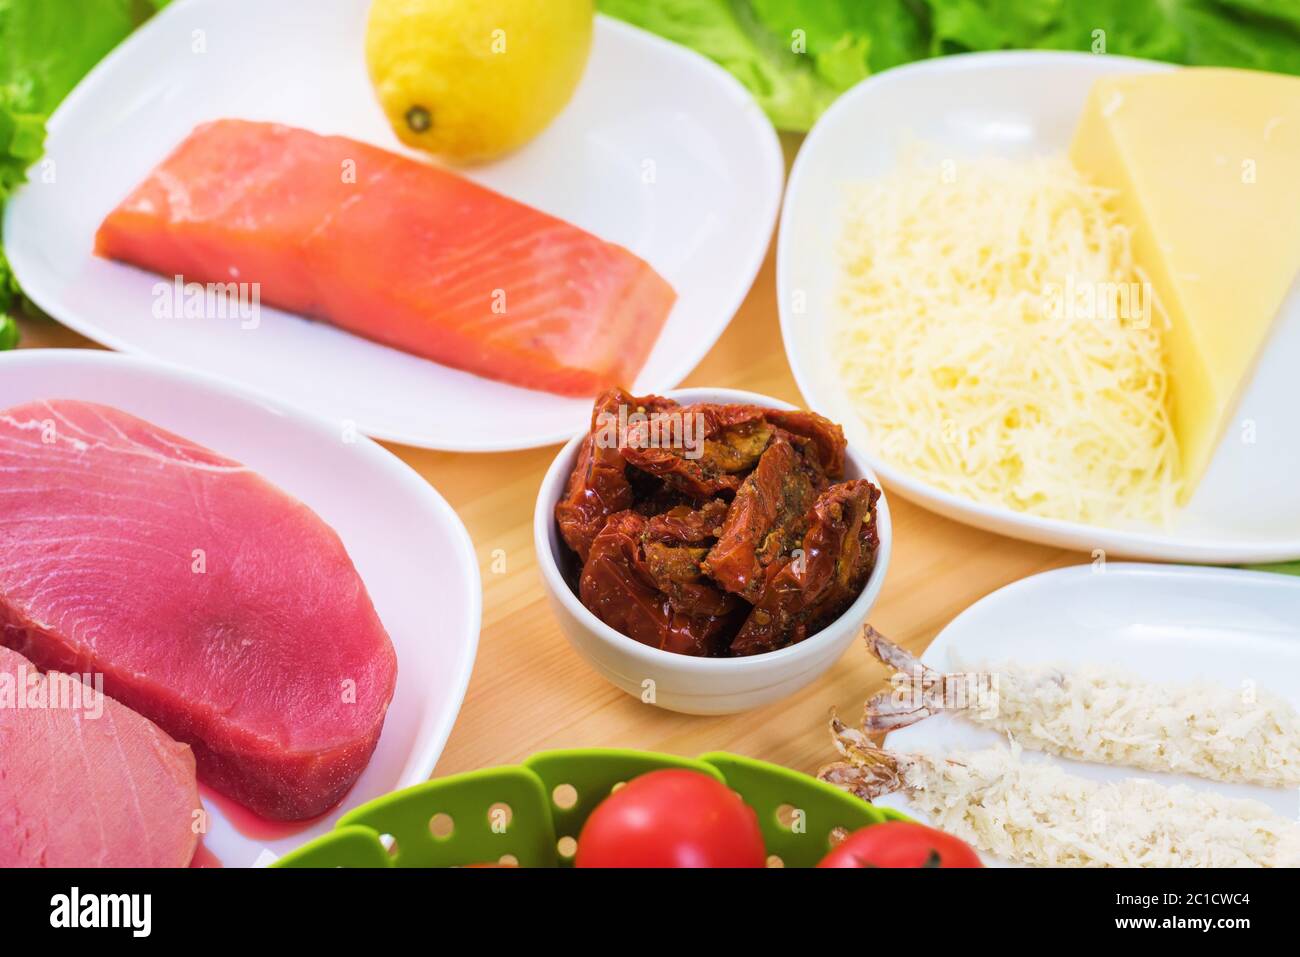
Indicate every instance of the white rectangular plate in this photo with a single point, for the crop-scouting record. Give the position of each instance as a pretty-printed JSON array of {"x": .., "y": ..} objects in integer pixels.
[
  {"x": 1165, "y": 623},
  {"x": 407, "y": 544},
  {"x": 1019, "y": 104},
  {"x": 660, "y": 151}
]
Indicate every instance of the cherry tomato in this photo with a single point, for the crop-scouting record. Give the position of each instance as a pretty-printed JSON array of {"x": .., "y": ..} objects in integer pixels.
[
  {"x": 901, "y": 844},
  {"x": 672, "y": 818}
]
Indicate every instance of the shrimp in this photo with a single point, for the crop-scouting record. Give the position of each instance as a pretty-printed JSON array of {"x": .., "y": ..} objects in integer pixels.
[
  {"x": 1037, "y": 813},
  {"x": 1244, "y": 735}
]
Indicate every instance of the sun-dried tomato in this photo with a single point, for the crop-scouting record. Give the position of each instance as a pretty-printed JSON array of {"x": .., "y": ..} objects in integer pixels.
[
  {"x": 825, "y": 434},
  {"x": 599, "y": 486},
  {"x": 675, "y": 543},
  {"x": 619, "y": 587},
  {"x": 683, "y": 525},
  {"x": 724, "y": 442},
  {"x": 713, "y": 529},
  {"x": 766, "y": 519},
  {"x": 803, "y": 593}
]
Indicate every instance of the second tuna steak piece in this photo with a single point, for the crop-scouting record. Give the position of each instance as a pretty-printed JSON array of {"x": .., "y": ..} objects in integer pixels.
[
  {"x": 214, "y": 604},
  {"x": 85, "y": 782}
]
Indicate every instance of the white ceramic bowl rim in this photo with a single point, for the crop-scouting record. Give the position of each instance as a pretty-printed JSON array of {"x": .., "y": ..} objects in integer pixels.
[{"x": 543, "y": 519}]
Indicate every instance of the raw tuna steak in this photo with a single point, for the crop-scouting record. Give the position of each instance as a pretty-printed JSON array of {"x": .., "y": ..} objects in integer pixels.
[
  {"x": 395, "y": 250},
  {"x": 214, "y": 604},
  {"x": 85, "y": 781}
]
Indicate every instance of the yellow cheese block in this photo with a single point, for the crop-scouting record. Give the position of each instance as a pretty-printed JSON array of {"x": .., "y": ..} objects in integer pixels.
[{"x": 1206, "y": 165}]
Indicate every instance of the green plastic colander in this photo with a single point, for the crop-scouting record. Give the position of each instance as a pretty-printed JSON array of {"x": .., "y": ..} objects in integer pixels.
[{"x": 531, "y": 814}]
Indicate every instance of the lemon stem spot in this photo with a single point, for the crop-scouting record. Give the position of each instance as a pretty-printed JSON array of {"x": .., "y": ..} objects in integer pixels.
[{"x": 418, "y": 119}]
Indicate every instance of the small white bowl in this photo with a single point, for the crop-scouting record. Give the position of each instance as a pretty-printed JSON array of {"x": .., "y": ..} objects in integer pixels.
[{"x": 682, "y": 682}]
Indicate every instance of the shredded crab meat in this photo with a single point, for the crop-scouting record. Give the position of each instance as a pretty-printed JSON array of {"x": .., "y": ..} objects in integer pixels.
[
  {"x": 1244, "y": 735},
  {"x": 1041, "y": 815}
]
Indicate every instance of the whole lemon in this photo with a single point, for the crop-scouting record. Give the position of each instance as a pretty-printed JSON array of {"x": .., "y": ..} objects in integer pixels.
[{"x": 469, "y": 80}]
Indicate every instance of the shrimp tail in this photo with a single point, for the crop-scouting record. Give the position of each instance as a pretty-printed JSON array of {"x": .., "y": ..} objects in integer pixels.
[
  {"x": 906, "y": 703},
  {"x": 895, "y": 657},
  {"x": 867, "y": 771}
]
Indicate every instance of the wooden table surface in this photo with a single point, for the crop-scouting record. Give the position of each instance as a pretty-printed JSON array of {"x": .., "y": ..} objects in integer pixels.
[{"x": 530, "y": 691}]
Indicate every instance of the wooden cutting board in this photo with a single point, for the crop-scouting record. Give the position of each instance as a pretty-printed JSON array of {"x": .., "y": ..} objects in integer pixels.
[{"x": 530, "y": 691}]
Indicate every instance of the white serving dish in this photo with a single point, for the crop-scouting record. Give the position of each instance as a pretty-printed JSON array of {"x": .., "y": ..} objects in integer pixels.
[
  {"x": 1017, "y": 104},
  {"x": 660, "y": 150},
  {"x": 410, "y": 549},
  {"x": 1166, "y": 623}
]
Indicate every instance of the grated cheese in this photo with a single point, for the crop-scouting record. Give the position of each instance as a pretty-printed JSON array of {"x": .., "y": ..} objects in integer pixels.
[
  {"x": 968, "y": 343},
  {"x": 1244, "y": 735},
  {"x": 1039, "y": 814}
]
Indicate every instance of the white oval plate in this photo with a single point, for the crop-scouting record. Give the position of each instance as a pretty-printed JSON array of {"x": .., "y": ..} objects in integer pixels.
[
  {"x": 409, "y": 547},
  {"x": 1247, "y": 507},
  {"x": 660, "y": 150},
  {"x": 1169, "y": 623}
]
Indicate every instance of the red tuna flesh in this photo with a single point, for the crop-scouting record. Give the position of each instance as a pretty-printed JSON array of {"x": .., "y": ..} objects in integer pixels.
[
  {"x": 87, "y": 782},
  {"x": 215, "y": 605}
]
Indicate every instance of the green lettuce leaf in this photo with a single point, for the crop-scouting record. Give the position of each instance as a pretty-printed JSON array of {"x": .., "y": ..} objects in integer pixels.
[
  {"x": 794, "y": 56},
  {"x": 1254, "y": 34},
  {"x": 1282, "y": 568},
  {"x": 49, "y": 45},
  {"x": 8, "y": 332}
]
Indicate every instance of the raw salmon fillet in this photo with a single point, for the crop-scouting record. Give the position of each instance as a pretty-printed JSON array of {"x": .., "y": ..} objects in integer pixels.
[
  {"x": 396, "y": 250},
  {"x": 87, "y": 782},
  {"x": 214, "y": 604}
]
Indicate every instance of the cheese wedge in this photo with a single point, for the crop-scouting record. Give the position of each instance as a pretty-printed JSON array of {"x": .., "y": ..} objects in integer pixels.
[{"x": 1206, "y": 167}]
